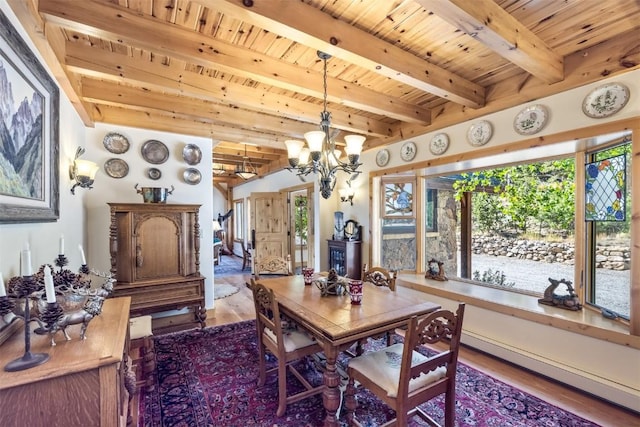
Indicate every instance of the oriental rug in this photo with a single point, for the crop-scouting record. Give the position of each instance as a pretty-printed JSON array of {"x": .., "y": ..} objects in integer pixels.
[{"x": 208, "y": 377}]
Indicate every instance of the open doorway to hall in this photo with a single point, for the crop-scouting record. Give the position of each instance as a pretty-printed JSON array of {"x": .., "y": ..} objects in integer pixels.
[{"x": 301, "y": 235}]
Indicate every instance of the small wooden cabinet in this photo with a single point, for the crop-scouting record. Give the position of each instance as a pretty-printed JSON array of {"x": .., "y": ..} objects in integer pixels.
[
  {"x": 345, "y": 256},
  {"x": 155, "y": 257},
  {"x": 82, "y": 383}
]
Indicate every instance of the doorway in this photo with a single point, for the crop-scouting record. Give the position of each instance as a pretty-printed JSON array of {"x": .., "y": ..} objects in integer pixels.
[{"x": 301, "y": 229}]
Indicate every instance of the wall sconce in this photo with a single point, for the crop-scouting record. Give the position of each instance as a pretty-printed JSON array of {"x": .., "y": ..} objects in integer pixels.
[
  {"x": 346, "y": 195},
  {"x": 82, "y": 171}
]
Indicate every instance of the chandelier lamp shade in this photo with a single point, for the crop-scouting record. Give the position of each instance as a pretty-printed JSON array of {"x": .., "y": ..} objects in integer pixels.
[
  {"x": 246, "y": 170},
  {"x": 320, "y": 154},
  {"x": 218, "y": 169}
]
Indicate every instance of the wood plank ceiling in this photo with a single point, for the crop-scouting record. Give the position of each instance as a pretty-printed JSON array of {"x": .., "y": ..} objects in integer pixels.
[{"x": 246, "y": 72}]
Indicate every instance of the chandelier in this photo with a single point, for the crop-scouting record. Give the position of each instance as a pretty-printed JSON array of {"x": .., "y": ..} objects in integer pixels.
[
  {"x": 321, "y": 155},
  {"x": 218, "y": 169},
  {"x": 246, "y": 170}
]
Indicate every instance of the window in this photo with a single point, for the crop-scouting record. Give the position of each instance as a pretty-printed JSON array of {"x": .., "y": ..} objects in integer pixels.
[
  {"x": 522, "y": 224},
  {"x": 510, "y": 222},
  {"x": 239, "y": 220},
  {"x": 608, "y": 276},
  {"x": 398, "y": 224}
]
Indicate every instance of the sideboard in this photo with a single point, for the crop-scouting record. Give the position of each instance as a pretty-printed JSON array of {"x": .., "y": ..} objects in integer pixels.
[
  {"x": 155, "y": 257},
  {"x": 82, "y": 383}
]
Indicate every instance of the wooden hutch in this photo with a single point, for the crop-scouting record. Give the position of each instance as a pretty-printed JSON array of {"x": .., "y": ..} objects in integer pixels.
[{"x": 155, "y": 257}]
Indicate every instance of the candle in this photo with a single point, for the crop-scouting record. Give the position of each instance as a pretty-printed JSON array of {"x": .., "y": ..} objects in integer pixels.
[
  {"x": 25, "y": 264},
  {"x": 3, "y": 290},
  {"x": 61, "y": 249},
  {"x": 48, "y": 285},
  {"x": 84, "y": 260}
]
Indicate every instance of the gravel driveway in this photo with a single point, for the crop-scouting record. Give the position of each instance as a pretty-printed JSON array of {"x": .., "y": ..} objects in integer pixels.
[{"x": 613, "y": 290}]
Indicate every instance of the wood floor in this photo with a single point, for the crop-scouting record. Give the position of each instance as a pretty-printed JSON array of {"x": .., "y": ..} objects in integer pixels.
[{"x": 239, "y": 307}]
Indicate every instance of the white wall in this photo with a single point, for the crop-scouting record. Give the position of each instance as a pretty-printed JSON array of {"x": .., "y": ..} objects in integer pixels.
[
  {"x": 43, "y": 237},
  {"x": 121, "y": 190}
]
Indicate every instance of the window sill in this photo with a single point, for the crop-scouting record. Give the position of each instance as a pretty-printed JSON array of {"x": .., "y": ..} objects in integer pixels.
[{"x": 585, "y": 322}]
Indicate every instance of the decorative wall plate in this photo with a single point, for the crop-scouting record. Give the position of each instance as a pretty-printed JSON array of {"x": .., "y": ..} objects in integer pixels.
[
  {"x": 116, "y": 143},
  {"x": 479, "y": 133},
  {"x": 439, "y": 144},
  {"x": 382, "y": 157},
  {"x": 531, "y": 120},
  {"x": 154, "y": 152},
  {"x": 192, "y": 176},
  {"x": 408, "y": 151},
  {"x": 191, "y": 154},
  {"x": 154, "y": 173},
  {"x": 605, "y": 100},
  {"x": 116, "y": 168}
]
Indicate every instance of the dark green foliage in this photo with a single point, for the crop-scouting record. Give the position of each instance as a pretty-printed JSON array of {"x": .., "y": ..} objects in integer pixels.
[
  {"x": 497, "y": 278},
  {"x": 522, "y": 198}
]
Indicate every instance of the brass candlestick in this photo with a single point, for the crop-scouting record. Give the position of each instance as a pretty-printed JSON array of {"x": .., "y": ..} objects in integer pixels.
[{"x": 23, "y": 289}]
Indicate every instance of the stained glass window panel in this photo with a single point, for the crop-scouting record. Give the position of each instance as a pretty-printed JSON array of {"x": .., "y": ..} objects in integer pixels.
[{"x": 606, "y": 189}]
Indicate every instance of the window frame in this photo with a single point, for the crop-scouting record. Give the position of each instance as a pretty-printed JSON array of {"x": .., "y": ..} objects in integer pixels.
[
  {"x": 239, "y": 220},
  {"x": 576, "y": 142}
]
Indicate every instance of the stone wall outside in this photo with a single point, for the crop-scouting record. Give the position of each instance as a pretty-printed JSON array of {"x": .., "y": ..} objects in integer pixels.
[{"x": 612, "y": 257}]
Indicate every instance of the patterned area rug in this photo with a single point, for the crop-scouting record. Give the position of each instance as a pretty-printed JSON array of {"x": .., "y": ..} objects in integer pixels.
[
  {"x": 229, "y": 265},
  {"x": 222, "y": 290},
  {"x": 208, "y": 377}
]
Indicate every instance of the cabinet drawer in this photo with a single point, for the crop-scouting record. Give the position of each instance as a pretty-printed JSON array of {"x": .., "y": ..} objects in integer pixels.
[{"x": 159, "y": 297}]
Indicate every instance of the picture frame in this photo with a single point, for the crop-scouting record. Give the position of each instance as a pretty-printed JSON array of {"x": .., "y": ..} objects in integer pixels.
[
  {"x": 398, "y": 199},
  {"x": 29, "y": 161}
]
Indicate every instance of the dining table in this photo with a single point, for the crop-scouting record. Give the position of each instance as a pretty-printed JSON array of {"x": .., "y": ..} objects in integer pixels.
[{"x": 337, "y": 324}]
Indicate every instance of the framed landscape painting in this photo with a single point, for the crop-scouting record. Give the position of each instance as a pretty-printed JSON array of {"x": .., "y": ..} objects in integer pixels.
[{"x": 29, "y": 140}]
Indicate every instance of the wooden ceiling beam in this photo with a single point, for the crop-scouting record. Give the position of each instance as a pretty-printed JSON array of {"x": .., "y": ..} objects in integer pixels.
[
  {"x": 253, "y": 149},
  {"x": 253, "y": 152},
  {"x": 581, "y": 68},
  {"x": 166, "y": 122},
  {"x": 487, "y": 22},
  {"x": 234, "y": 160},
  {"x": 312, "y": 27},
  {"x": 116, "y": 23},
  {"x": 172, "y": 79},
  {"x": 102, "y": 91}
]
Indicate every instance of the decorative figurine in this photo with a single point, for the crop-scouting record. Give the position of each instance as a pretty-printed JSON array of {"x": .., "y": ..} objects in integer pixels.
[
  {"x": 333, "y": 284},
  {"x": 435, "y": 270},
  {"x": 568, "y": 301},
  {"x": 91, "y": 309}
]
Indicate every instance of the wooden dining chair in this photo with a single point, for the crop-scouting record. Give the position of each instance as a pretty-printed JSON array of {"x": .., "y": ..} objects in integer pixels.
[
  {"x": 246, "y": 256},
  {"x": 380, "y": 276},
  {"x": 272, "y": 265},
  {"x": 286, "y": 343},
  {"x": 403, "y": 377}
]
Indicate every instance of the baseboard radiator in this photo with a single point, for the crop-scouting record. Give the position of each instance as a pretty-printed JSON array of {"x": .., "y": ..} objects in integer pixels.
[{"x": 604, "y": 389}]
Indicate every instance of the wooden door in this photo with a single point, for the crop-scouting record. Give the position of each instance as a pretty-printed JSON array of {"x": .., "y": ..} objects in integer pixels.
[{"x": 269, "y": 225}]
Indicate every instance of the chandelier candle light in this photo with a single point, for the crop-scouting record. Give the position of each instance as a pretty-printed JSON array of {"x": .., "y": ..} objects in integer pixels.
[
  {"x": 321, "y": 155},
  {"x": 246, "y": 170}
]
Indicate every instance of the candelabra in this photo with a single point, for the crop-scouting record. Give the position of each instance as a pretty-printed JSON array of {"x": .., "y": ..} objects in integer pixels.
[{"x": 23, "y": 289}]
